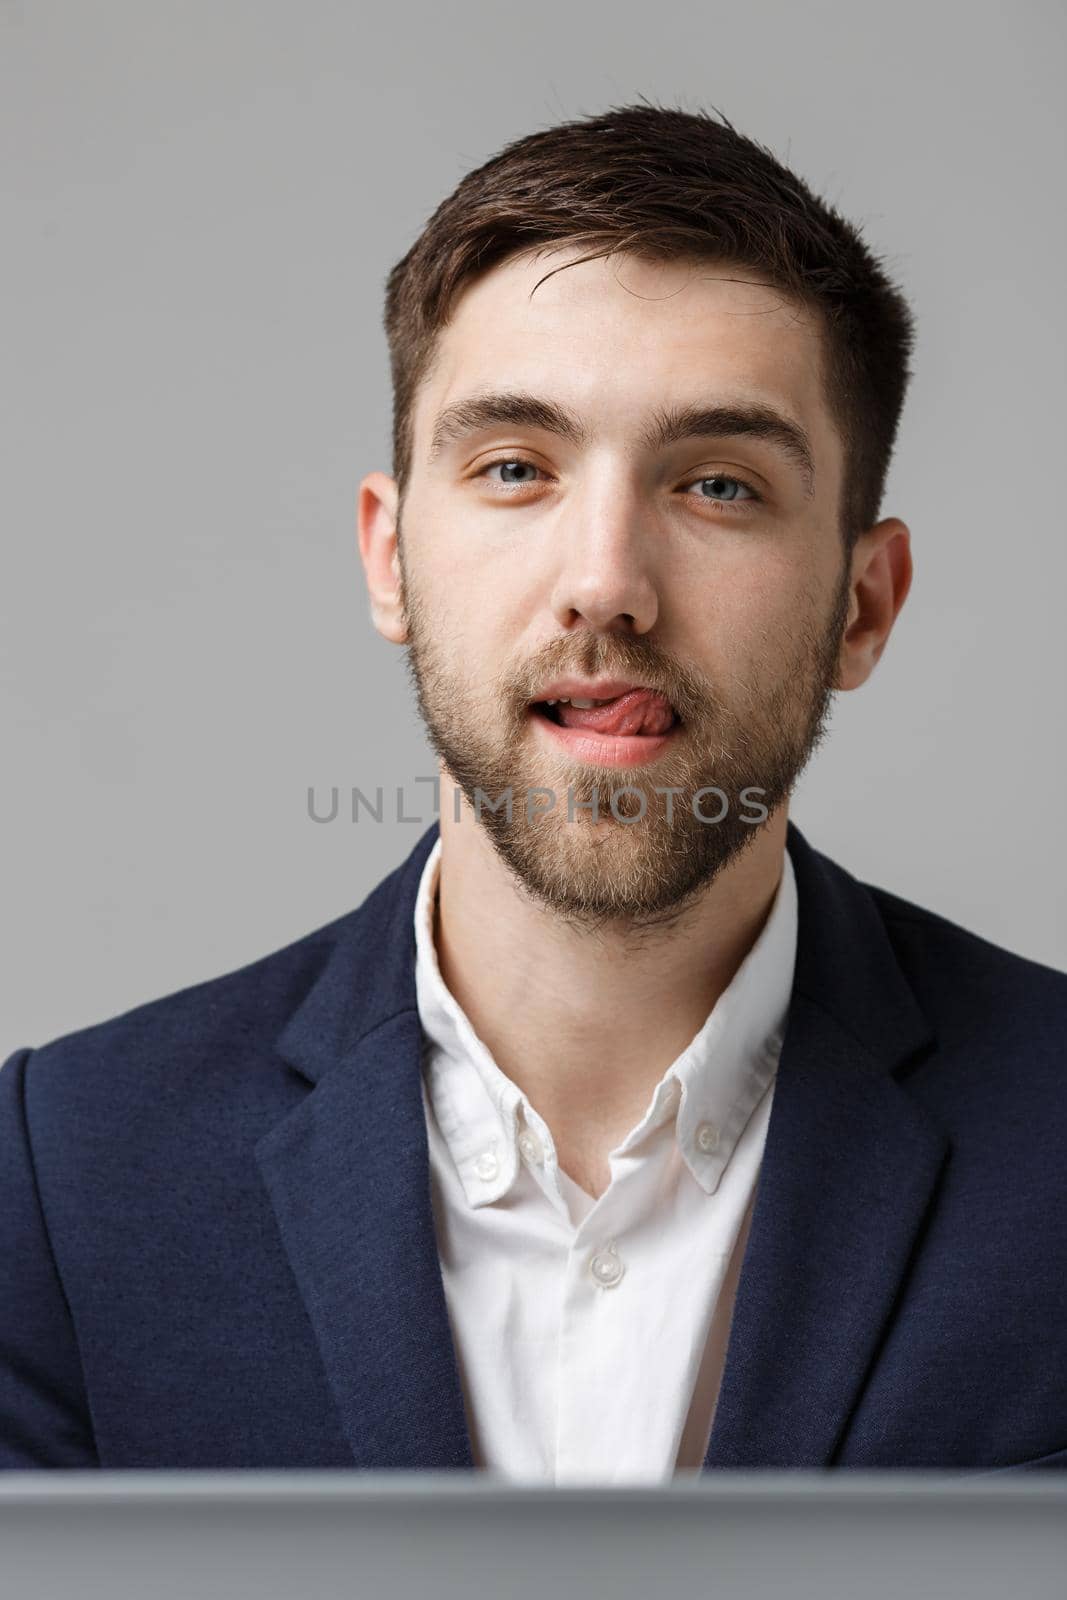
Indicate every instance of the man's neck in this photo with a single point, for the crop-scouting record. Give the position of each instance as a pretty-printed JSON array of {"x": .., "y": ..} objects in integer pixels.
[{"x": 586, "y": 1024}]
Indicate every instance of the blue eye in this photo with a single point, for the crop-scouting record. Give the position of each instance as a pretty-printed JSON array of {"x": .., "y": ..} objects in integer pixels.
[
  {"x": 724, "y": 488},
  {"x": 505, "y": 465}
]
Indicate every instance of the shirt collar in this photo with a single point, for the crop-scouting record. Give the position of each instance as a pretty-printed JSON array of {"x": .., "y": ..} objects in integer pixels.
[{"x": 710, "y": 1090}]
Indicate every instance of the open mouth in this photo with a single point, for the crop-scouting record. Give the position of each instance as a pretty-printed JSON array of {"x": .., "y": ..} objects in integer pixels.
[
  {"x": 638, "y": 713},
  {"x": 627, "y": 730}
]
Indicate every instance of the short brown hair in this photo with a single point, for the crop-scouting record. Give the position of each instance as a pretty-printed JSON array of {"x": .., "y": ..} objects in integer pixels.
[{"x": 666, "y": 184}]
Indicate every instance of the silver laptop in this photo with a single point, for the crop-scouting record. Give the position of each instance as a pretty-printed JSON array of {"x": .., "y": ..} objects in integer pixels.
[{"x": 313, "y": 1535}]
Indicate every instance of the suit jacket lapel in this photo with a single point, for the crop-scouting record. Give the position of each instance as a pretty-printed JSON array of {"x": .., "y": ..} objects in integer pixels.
[
  {"x": 849, "y": 1170},
  {"x": 347, "y": 1172}
]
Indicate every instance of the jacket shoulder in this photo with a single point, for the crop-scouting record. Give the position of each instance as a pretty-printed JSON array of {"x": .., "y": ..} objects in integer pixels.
[
  {"x": 967, "y": 984},
  {"x": 918, "y": 923},
  {"x": 225, "y": 1018},
  {"x": 226, "y": 1026}
]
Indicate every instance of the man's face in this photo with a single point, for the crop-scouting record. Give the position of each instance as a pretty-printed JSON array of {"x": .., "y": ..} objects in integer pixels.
[{"x": 706, "y": 565}]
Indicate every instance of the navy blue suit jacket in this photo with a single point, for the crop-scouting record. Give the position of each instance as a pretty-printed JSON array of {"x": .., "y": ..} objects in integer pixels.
[{"x": 218, "y": 1244}]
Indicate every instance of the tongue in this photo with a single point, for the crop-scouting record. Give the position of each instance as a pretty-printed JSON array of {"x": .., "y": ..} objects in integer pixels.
[{"x": 638, "y": 711}]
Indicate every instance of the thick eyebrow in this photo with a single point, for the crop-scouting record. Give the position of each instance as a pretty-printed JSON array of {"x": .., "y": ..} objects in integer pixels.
[
  {"x": 510, "y": 409},
  {"x": 663, "y": 429},
  {"x": 745, "y": 420}
]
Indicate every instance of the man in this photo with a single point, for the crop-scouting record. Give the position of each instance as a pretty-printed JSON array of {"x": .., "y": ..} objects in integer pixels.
[{"x": 619, "y": 1132}]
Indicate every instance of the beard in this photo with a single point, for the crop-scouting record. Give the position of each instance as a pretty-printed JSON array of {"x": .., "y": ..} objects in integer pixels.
[{"x": 639, "y": 861}]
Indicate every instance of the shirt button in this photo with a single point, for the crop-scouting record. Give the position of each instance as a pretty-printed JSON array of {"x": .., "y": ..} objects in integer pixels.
[
  {"x": 606, "y": 1268},
  {"x": 708, "y": 1137},
  {"x": 530, "y": 1145},
  {"x": 487, "y": 1166}
]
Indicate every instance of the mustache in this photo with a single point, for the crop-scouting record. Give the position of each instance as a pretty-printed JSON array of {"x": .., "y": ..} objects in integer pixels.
[{"x": 625, "y": 658}]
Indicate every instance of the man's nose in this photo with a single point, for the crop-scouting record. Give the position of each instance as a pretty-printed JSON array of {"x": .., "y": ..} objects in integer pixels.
[{"x": 604, "y": 568}]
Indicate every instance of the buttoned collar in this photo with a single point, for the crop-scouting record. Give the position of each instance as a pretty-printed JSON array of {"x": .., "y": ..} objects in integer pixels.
[{"x": 710, "y": 1090}]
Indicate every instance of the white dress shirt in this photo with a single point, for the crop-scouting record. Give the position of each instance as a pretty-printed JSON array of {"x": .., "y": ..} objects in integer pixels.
[{"x": 591, "y": 1334}]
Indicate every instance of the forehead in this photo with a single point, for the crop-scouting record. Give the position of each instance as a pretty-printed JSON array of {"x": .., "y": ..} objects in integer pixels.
[{"x": 619, "y": 336}]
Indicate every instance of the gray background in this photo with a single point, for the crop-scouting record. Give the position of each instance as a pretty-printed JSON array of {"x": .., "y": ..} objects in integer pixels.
[{"x": 202, "y": 202}]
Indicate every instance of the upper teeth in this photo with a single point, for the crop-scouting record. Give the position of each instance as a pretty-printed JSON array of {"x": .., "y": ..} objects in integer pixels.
[{"x": 583, "y": 705}]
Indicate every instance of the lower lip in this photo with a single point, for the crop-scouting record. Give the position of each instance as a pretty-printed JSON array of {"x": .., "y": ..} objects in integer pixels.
[{"x": 606, "y": 749}]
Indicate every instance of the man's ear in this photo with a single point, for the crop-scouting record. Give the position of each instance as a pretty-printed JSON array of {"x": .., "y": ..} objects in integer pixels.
[
  {"x": 376, "y": 519},
  {"x": 880, "y": 580}
]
